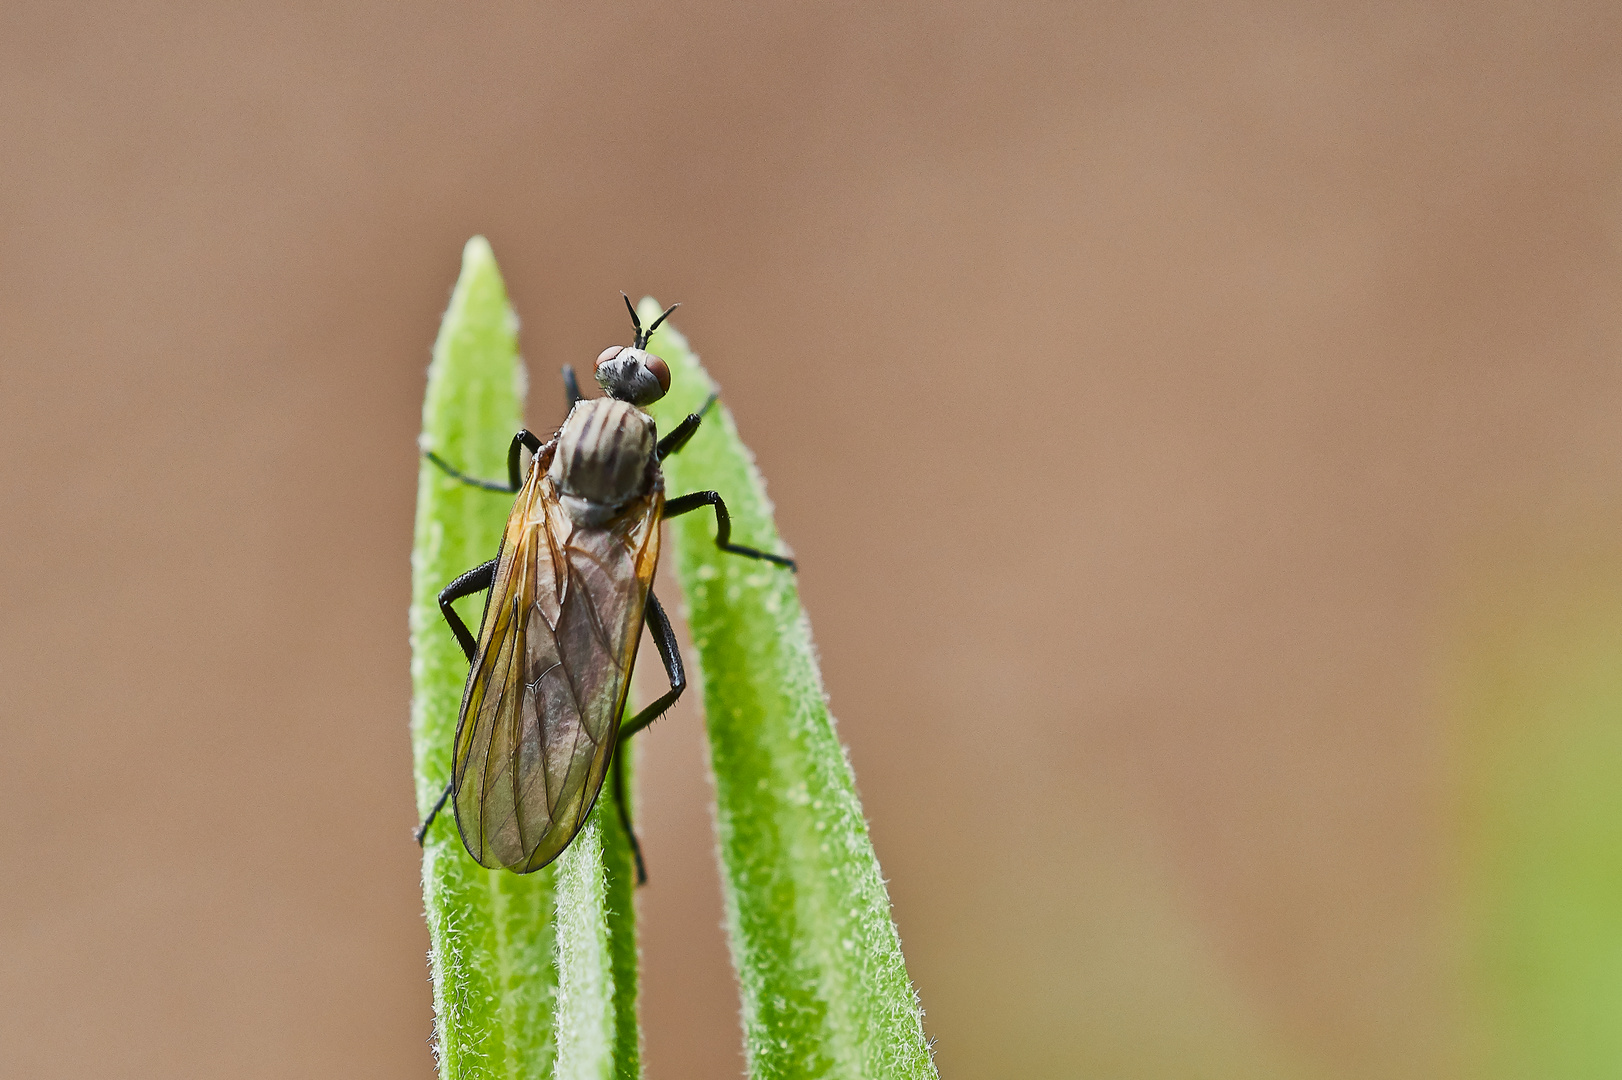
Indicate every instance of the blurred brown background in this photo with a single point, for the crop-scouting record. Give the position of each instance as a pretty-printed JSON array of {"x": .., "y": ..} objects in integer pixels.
[{"x": 1150, "y": 391}]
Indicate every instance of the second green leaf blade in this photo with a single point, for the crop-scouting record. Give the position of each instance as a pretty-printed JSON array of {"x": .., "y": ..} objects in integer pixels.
[{"x": 824, "y": 986}]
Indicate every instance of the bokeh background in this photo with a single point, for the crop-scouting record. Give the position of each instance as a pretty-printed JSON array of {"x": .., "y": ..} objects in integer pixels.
[{"x": 1197, "y": 424}]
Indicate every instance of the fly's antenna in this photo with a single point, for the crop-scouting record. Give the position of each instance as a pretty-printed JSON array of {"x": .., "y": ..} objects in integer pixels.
[
  {"x": 636, "y": 322},
  {"x": 656, "y": 323},
  {"x": 642, "y": 335}
]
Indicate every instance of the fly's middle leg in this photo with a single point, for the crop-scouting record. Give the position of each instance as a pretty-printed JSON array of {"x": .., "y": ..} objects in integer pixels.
[{"x": 475, "y": 580}]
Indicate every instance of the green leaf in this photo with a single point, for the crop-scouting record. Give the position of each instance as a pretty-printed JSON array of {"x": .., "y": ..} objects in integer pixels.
[
  {"x": 516, "y": 990},
  {"x": 598, "y": 1036},
  {"x": 1537, "y": 752},
  {"x": 824, "y": 987}
]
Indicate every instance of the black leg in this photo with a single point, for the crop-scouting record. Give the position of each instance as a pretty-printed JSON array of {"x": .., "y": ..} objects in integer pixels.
[
  {"x": 723, "y": 525},
  {"x": 475, "y": 580},
  {"x": 515, "y": 460},
  {"x": 683, "y": 431},
  {"x": 571, "y": 388},
  {"x": 515, "y": 473},
  {"x": 472, "y": 481},
  {"x": 664, "y": 639},
  {"x": 625, "y": 813},
  {"x": 422, "y": 830}
]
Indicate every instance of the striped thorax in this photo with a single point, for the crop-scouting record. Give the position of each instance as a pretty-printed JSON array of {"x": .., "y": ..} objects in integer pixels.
[{"x": 604, "y": 459}]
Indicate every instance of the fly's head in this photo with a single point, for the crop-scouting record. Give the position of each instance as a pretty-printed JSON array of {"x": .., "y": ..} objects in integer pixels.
[
  {"x": 634, "y": 374},
  {"x": 604, "y": 459}
]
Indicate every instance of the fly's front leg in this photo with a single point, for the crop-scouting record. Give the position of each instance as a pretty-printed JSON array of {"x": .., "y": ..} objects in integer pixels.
[
  {"x": 664, "y": 639},
  {"x": 475, "y": 580},
  {"x": 683, "y": 431},
  {"x": 571, "y": 388},
  {"x": 723, "y": 525},
  {"x": 515, "y": 472}
]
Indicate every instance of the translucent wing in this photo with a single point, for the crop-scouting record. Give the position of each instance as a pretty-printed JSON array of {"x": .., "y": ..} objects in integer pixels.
[{"x": 547, "y": 688}]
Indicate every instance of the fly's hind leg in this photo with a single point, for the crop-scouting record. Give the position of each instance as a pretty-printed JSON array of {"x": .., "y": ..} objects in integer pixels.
[
  {"x": 515, "y": 473},
  {"x": 625, "y": 813},
  {"x": 444, "y": 796},
  {"x": 475, "y": 580},
  {"x": 723, "y": 526},
  {"x": 664, "y": 639}
]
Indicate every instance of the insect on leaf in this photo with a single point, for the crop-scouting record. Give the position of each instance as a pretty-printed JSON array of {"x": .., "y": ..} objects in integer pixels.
[{"x": 496, "y": 943}]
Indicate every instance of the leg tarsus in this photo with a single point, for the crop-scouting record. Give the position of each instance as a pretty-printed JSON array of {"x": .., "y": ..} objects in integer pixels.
[
  {"x": 571, "y": 386},
  {"x": 621, "y": 801},
  {"x": 471, "y": 481},
  {"x": 422, "y": 830},
  {"x": 723, "y": 526},
  {"x": 515, "y": 474}
]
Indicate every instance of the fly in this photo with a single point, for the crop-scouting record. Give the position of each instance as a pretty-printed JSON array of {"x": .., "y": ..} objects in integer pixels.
[{"x": 569, "y": 591}]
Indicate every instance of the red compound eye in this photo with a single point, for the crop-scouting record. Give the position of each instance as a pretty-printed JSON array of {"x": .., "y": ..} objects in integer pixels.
[{"x": 660, "y": 369}]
